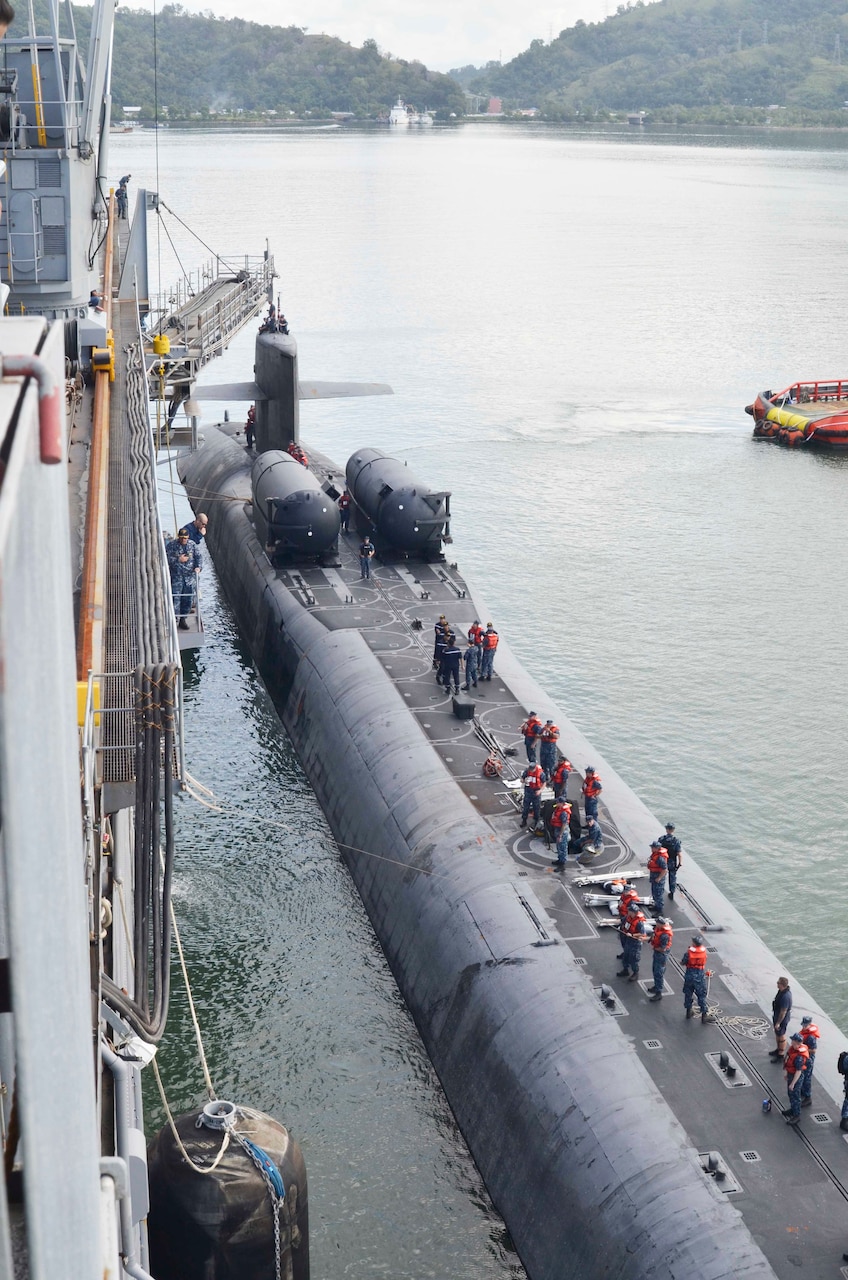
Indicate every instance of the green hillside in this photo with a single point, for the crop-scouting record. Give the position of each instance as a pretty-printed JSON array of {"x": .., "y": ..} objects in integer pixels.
[
  {"x": 225, "y": 65},
  {"x": 691, "y": 54}
]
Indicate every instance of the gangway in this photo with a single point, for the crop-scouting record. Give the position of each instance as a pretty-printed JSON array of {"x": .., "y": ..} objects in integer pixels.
[{"x": 193, "y": 324}]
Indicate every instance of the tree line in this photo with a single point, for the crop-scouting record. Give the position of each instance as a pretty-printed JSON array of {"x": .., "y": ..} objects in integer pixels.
[
  {"x": 684, "y": 57},
  {"x": 205, "y": 64}
]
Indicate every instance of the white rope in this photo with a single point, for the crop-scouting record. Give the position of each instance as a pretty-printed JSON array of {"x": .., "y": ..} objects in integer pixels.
[
  {"x": 127, "y": 933},
  {"x": 198, "y": 1168},
  {"x": 210, "y": 1088}
]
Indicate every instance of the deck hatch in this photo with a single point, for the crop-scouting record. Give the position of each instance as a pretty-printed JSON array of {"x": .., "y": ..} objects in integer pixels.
[
  {"x": 715, "y": 1167},
  {"x": 610, "y": 1001},
  {"x": 728, "y": 1070}
]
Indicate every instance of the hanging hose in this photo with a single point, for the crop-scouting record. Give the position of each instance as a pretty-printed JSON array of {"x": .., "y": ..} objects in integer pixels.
[{"x": 147, "y": 1010}]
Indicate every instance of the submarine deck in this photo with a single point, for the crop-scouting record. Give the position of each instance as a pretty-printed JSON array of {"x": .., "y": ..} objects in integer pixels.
[{"x": 789, "y": 1184}]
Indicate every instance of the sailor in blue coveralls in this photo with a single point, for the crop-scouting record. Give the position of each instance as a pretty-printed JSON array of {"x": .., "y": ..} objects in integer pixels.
[
  {"x": 673, "y": 849},
  {"x": 795, "y": 1065},
  {"x": 548, "y": 735},
  {"x": 366, "y": 554},
  {"x": 661, "y": 945},
  {"x": 470, "y": 660},
  {"x": 450, "y": 664},
  {"x": 658, "y": 869},
  {"x": 695, "y": 982},
  {"x": 811, "y": 1035},
  {"x": 184, "y": 565},
  {"x": 533, "y": 778}
]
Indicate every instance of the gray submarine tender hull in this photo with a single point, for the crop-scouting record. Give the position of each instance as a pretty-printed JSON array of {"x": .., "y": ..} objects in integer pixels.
[{"x": 591, "y": 1170}]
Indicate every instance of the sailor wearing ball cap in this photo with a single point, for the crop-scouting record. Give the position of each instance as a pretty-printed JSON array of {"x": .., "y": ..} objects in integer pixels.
[
  {"x": 490, "y": 644},
  {"x": 671, "y": 844},
  {"x": 695, "y": 982}
]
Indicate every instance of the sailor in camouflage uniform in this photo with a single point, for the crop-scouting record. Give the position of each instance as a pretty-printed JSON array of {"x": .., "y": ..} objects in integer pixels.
[{"x": 184, "y": 564}]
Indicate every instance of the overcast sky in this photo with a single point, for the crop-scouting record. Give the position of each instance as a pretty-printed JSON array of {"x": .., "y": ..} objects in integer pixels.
[{"x": 441, "y": 33}]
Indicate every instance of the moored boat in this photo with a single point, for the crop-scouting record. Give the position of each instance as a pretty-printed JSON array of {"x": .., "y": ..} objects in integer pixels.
[{"x": 804, "y": 414}]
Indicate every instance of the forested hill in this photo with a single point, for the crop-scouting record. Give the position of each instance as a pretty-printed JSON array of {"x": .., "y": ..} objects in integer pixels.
[
  {"x": 695, "y": 53},
  {"x": 206, "y": 63}
]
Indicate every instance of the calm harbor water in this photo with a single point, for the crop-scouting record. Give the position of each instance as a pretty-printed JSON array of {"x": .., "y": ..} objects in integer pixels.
[{"x": 572, "y": 325}]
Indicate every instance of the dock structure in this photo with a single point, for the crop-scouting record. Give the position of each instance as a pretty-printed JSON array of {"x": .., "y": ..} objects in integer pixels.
[{"x": 192, "y": 325}]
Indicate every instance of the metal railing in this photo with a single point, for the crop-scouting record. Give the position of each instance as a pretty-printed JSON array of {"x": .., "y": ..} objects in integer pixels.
[
  {"x": 110, "y": 693},
  {"x": 813, "y": 392},
  {"x": 203, "y": 312}
]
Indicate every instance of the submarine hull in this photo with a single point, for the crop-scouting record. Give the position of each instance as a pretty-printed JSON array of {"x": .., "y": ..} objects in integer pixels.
[{"x": 590, "y": 1169}]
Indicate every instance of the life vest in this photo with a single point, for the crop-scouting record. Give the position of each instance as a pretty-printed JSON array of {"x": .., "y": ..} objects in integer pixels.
[
  {"x": 661, "y": 941},
  {"x": 561, "y": 815},
  {"x": 633, "y": 923},
  {"x": 550, "y": 733},
  {"x": 561, "y": 772},
  {"x": 534, "y": 778},
  {"x": 811, "y": 1036},
  {"x": 475, "y": 634},
  {"x": 796, "y": 1059},
  {"x": 492, "y": 767},
  {"x": 592, "y": 786},
  {"x": 490, "y": 640},
  {"x": 529, "y": 726},
  {"x": 657, "y": 861},
  {"x": 344, "y": 501},
  {"x": 696, "y": 958},
  {"x": 624, "y": 901}
]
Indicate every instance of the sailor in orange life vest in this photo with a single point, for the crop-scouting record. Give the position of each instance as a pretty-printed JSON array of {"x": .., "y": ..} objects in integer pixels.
[
  {"x": 795, "y": 1065},
  {"x": 560, "y": 819},
  {"x": 661, "y": 943},
  {"x": 534, "y": 779},
  {"x": 591, "y": 790},
  {"x": 475, "y": 635},
  {"x": 628, "y": 894},
  {"x": 658, "y": 868},
  {"x": 490, "y": 644},
  {"x": 810, "y": 1034},
  {"x": 531, "y": 728},
  {"x": 695, "y": 982},
  {"x": 548, "y": 750},
  {"x": 559, "y": 777},
  {"x": 632, "y": 934}
]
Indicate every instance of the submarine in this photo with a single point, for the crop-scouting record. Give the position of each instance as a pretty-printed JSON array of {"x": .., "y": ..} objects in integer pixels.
[{"x": 616, "y": 1137}]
